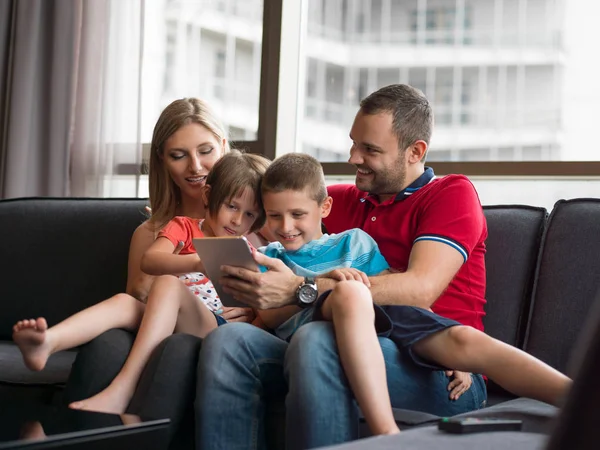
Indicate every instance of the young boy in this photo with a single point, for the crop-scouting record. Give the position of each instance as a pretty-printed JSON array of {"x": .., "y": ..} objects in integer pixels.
[{"x": 295, "y": 200}]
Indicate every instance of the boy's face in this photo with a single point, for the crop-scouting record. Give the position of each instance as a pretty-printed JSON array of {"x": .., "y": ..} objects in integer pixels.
[
  {"x": 294, "y": 218},
  {"x": 235, "y": 217}
]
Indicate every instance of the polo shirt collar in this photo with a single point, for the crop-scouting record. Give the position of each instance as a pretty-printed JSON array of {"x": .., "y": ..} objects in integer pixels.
[{"x": 423, "y": 180}]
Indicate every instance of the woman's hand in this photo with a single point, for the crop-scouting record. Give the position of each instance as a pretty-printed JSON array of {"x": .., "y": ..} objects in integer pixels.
[
  {"x": 460, "y": 383},
  {"x": 347, "y": 273},
  {"x": 262, "y": 290},
  {"x": 238, "y": 314}
]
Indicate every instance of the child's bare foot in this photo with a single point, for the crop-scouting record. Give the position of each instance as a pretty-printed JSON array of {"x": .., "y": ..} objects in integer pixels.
[
  {"x": 30, "y": 336},
  {"x": 111, "y": 400}
]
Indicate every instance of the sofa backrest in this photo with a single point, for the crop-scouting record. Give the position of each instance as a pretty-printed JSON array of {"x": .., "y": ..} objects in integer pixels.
[
  {"x": 512, "y": 247},
  {"x": 58, "y": 256},
  {"x": 567, "y": 280}
]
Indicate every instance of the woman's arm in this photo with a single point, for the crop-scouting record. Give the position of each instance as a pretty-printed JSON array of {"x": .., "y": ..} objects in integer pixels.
[{"x": 138, "y": 282}]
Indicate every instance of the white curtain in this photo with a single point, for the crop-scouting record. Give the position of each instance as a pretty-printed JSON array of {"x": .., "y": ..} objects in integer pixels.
[
  {"x": 105, "y": 144},
  {"x": 70, "y": 73}
]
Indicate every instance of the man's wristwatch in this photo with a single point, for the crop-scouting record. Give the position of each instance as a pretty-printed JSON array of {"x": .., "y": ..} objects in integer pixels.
[{"x": 307, "y": 293}]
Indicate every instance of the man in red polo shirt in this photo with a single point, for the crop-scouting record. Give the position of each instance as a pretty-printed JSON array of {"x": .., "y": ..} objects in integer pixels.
[{"x": 431, "y": 230}]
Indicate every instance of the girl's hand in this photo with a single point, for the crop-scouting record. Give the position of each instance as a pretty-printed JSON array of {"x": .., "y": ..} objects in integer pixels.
[
  {"x": 238, "y": 314},
  {"x": 347, "y": 273},
  {"x": 460, "y": 383}
]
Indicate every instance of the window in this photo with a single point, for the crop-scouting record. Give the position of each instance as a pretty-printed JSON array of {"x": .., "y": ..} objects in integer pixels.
[
  {"x": 511, "y": 83},
  {"x": 204, "y": 48}
]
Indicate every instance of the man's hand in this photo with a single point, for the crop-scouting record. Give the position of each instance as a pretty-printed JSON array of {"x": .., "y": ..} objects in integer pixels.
[
  {"x": 271, "y": 289},
  {"x": 238, "y": 314},
  {"x": 460, "y": 383},
  {"x": 347, "y": 273}
]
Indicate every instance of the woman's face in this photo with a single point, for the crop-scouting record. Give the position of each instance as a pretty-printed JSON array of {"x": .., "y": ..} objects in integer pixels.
[{"x": 188, "y": 156}]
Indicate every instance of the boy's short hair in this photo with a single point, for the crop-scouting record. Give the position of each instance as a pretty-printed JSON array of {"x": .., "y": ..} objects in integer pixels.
[
  {"x": 296, "y": 172},
  {"x": 231, "y": 175}
]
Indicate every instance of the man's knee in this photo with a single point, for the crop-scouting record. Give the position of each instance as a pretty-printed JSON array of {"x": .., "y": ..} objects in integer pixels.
[
  {"x": 229, "y": 335},
  {"x": 311, "y": 343}
]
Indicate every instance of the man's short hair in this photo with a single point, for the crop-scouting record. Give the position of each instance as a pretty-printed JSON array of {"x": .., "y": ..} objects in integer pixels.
[
  {"x": 295, "y": 172},
  {"x": 412, "y": 115}
]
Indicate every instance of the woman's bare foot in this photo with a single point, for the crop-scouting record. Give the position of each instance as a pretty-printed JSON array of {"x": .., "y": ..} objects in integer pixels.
[
  {"x": 32, "y": 430},
  {"x": 112, "y": 400},
  {"x": 32, "y": 339}
]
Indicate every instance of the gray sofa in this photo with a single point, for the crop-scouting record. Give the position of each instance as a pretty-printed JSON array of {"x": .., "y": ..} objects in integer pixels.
[{"x": 62, "y": 255}]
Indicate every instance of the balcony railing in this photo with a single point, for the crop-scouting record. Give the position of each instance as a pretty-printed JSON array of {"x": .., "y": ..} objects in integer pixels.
[
  {"x": 445, "y": 115},
  {"x": 445, "y": 37}
]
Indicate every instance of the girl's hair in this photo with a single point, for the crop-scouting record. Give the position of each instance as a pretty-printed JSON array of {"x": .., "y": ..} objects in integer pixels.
[
  {"x": 231, "y": 175},
  {"x": 165, "y": 195}
]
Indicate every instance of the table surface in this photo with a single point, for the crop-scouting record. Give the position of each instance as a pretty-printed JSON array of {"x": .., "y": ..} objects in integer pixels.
[{"x": 38, "y": 426}]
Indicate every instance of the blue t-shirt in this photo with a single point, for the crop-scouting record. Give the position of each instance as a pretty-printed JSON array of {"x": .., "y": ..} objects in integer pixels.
[{"x": 352, "y": 248}]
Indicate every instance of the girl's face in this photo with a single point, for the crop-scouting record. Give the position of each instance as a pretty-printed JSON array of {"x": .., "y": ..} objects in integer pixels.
[
  {"x": 235, "y": 217},
  {"x": 188, "y": 155}
]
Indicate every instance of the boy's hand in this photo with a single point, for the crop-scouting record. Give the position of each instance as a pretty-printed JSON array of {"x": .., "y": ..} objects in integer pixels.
[
  {"x": 460, "y": 383},
  {"x": 347, "y": 273},
  {"x": 262, "y": 290}
]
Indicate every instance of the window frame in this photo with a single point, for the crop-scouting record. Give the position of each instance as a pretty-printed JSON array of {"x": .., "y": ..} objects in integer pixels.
[
  {"x": 281, "y": 100},
  {"x": 276, "y": 15}
]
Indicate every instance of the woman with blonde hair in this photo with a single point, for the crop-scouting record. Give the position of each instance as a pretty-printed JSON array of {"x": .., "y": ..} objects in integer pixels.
[{"x": 187, "y": 141}]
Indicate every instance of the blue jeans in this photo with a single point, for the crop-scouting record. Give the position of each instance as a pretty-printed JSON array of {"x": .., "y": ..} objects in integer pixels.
[{"x": 241, "y": 368}]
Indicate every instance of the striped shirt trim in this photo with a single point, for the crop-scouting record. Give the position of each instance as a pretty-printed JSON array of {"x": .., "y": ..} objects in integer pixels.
[{"x": 459, "y": 248}]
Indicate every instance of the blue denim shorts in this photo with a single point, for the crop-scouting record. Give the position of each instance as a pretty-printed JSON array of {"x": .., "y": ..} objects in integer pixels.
[
  {"x": 404, "y": 325},
  {"x": 220, "y": 320}
]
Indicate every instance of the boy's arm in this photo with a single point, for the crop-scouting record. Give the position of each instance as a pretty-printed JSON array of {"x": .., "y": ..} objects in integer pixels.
[{"x": 160, "y": 260}]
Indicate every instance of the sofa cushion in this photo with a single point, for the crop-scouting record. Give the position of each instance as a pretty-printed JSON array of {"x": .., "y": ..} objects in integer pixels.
[
  {"x": 567, "y": 280},
  {"x": 13, "y": 370},
  {"x": 512, "y": 247},
  {"x": 59, "y": 256}
]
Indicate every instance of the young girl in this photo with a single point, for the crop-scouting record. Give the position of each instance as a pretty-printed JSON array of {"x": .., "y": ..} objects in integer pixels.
[{"x": 232, "y": 197}]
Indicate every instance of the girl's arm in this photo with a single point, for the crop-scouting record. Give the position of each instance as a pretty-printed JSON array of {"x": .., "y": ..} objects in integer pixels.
[{"x": 160, "y": 260}]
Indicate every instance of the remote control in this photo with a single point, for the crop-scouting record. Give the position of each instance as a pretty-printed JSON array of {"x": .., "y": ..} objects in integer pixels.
[{"x": 474, "y": 425}]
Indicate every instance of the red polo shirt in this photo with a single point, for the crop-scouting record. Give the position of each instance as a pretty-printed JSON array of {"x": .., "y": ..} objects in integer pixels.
[{"x": 445, "y": 210}]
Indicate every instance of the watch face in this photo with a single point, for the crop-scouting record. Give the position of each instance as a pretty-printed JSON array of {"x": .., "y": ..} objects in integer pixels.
[{"x": 307, "y": 294}]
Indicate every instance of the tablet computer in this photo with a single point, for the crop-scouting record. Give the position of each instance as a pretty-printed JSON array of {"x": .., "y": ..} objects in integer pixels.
[{"x": 224, "y": 251}]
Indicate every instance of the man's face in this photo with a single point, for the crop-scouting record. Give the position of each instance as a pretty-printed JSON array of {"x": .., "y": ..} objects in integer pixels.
[{"x": 381, "y": 166}]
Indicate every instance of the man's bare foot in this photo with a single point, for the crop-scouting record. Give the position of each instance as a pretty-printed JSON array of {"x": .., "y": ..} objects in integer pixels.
[
  {"x": 395, "y": 430},
  {"x": 30, "y": 335},
  {"x": 111, "y": 400}
]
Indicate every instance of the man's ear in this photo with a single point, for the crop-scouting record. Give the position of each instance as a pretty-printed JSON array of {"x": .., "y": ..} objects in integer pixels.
[
  {"x": 417, "y": 151},
  {"x": 205, "y": 194},
  {"x": 326, "y": 207}
]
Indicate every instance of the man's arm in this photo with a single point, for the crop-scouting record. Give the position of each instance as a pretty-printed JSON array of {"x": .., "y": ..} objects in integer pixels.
[{"x": 431, "y": 268}]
